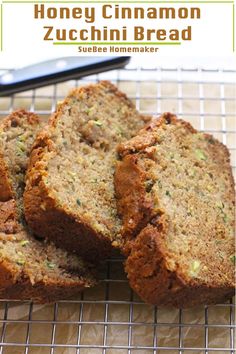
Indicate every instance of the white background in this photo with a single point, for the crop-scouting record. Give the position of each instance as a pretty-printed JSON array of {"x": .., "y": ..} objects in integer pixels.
[{"x": 23, "y": 35}]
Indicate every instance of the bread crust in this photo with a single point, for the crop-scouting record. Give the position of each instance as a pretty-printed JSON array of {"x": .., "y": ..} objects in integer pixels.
[
  {"x": 50, "y": 220},
  {"x": 14, "y": 281},
  {"x": 5, "y": 188},
  {"x": 8, "y": 217},
  {"x": 17, "y": 285},
  {"x": 150, "y": 276},
  {"x": 145, "y": 231}
]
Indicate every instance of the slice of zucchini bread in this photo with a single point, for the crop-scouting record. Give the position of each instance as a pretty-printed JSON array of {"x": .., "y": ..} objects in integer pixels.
[
  {"x": 69, "y": 195},
  {"x": 29, "y": 269},
  {"x": 175, "y": 193}
]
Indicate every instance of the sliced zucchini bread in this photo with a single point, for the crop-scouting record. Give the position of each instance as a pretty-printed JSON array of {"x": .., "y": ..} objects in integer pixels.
[
  {"x": 29, "y": 269},
  {"x": 69, "y": 196},
  {"x": 175, "y": 194}
]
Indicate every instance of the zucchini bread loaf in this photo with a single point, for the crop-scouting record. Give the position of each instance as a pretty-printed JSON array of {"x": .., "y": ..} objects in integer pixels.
[
  {"x": 29, "y": 269},
  {"x": 175, "y": 193},
  {"x": 69, "y": 196}
]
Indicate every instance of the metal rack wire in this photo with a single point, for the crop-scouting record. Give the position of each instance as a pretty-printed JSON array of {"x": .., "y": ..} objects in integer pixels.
[{"x": 111, "y": 318}]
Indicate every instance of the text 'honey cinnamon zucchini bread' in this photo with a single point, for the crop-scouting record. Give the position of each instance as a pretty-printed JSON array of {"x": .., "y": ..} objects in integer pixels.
[
  {"x": 69, "y": 194},
  {"x": 29, "y": 269},
  {"x": 175, "y": 193}
]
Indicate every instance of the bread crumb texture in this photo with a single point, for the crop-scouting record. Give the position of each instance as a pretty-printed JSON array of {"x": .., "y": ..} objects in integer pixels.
[
  {"x": 29, "y": 269},
  {"x": 70, "y": 180},
  {"x": 175, "y": 194}
]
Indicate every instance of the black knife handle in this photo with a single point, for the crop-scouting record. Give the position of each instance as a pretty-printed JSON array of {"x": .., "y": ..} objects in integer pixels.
[{"x": 55, "y": 71}]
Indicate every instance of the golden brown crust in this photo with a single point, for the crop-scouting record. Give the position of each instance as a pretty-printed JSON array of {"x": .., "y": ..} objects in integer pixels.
[
  {"x": 150, "y": 277},
  {"x": 145, "y": 139},
  {"x": 5, "y": 188},
  {"x": 15, "y": 282},
  {"x": 6, "y": 191},
  {"x": 6, "y": 276},
  {"x": 15, "y": 285},
  {"x": 145, "y": 229},
  {"x": 8, "y": 217}
]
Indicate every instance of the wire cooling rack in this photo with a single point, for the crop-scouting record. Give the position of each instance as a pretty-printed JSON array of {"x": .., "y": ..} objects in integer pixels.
[{"x": 111, "y": 318}]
